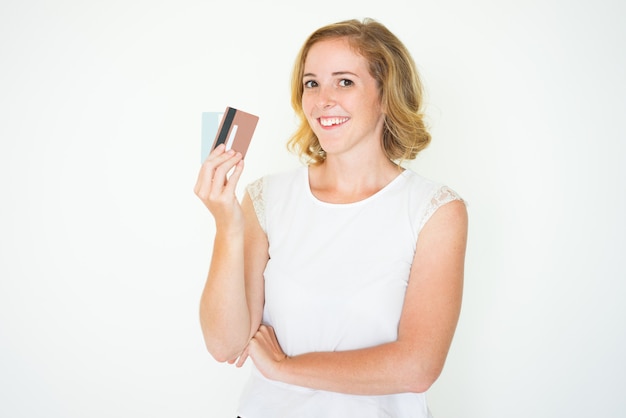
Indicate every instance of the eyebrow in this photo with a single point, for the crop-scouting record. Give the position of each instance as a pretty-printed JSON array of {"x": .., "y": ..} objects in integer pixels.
[{"x": 336, "y": 73}]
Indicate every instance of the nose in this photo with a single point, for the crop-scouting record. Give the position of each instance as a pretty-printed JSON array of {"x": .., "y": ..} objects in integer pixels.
[{"x": 326, "y": 98}]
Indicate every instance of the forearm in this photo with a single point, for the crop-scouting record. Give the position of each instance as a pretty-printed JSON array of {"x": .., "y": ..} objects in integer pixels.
[
  {"x": 224, "y": 313},
  {"x": 385, "y": 369}
]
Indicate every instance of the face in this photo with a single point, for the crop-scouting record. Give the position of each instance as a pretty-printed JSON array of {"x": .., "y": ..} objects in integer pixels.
[{"x": 341, "y": 99}]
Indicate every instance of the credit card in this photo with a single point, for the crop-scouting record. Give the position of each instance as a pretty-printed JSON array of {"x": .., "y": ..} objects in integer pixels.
[{"x": 235, "y": 130}]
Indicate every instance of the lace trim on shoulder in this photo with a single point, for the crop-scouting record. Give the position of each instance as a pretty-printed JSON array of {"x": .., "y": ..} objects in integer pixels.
[
  {"x": 442, "y": 196},
  {"x": 255, "y": 190}
]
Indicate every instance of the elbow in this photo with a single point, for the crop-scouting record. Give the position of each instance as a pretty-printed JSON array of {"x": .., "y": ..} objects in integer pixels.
[
  {"x": 220, "y": 357},
  {"x": 219, "y": 352},
  {"x": 222, "y": 344},
  {"x": 420, "y": 369},
  {"x": 221, "y": 347},
  {"x": 421, "y": 384},
  {"x": 420, "y": 379}
]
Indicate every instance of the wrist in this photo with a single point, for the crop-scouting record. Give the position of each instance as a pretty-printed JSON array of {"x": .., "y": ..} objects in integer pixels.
[
  {"x": 283, "y": 368},
  {"x": 229, "y": 230}
]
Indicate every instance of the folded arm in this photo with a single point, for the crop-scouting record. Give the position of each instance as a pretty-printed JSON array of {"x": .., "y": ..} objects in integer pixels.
[{"x": 430, "y": 313}]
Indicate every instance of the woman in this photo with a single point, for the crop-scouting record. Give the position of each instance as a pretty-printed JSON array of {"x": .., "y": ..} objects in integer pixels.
[{"x": 342, "y": 280}]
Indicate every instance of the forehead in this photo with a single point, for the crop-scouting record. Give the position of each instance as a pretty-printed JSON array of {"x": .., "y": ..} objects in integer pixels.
[{"x": 334, "y": 55}]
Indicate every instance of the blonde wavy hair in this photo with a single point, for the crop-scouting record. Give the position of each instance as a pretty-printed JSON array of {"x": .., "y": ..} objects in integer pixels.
[{"x": 400, "y": 89}]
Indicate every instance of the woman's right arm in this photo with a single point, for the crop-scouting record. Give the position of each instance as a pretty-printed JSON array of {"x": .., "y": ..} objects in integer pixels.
[{"x": 232, "y": 300}]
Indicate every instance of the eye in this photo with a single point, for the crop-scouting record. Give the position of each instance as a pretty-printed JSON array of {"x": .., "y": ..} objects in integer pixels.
[
  {"x": 310, "y": 84},
  {"x": 345, "y": 82}
]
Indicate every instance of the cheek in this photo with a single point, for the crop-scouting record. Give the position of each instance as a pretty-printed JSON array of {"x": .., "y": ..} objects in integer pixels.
[
  {"x": 307, "y": 103},
  {"x": 307, "y": 107},
  {"x": 376, "y": 108}
]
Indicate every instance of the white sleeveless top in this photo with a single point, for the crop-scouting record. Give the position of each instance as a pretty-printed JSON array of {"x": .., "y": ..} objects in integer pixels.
[{"x": 335, "y": 281}]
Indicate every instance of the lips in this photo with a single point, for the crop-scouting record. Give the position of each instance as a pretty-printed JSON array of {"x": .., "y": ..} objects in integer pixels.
[{"x": 332, "y": 121}]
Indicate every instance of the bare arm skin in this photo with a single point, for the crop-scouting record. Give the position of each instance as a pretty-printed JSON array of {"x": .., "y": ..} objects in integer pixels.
[
  {"x": 430, "y": 314},
  {"x": 232, "y": 300}
]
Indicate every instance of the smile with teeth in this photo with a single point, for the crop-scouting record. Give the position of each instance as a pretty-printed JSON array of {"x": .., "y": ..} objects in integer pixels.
[{"x": 332, "y": 121}]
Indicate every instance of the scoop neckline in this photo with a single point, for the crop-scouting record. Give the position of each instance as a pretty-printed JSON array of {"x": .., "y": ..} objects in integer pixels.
[{"x": 374, "y": 196}]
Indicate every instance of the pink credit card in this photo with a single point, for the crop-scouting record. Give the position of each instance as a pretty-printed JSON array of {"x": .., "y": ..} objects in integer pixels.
[{"x": 235, "y": 130}]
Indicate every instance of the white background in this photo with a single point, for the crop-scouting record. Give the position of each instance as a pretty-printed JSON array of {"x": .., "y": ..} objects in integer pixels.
[{"x": 104, "y": 248}]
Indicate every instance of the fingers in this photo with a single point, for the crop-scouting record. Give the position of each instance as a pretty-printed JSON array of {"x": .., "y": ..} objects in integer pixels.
[
  {"x": 242, "y": 358},
  {"x": 222, "y": 164},
  {"x": 227, "y": 182},
  {"x": 266, "y": 339},
  {"x": 213, "y": 178},
  {"x": 265, "y": 333}
]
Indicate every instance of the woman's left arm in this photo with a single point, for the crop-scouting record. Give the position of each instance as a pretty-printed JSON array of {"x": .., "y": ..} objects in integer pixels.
[{"x": 429, "y": 317}]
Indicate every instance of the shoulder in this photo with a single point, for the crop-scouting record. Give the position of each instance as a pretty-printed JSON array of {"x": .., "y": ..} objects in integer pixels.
[
  {"x": 431, "y": 195},
  {"x": 429, "y": 187},
  {"x": 272, "y": 187},
  {"x": 272, "y": 181}
]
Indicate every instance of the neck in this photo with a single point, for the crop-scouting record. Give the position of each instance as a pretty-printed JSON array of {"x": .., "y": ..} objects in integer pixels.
[{"x": 338, "y": 180}]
